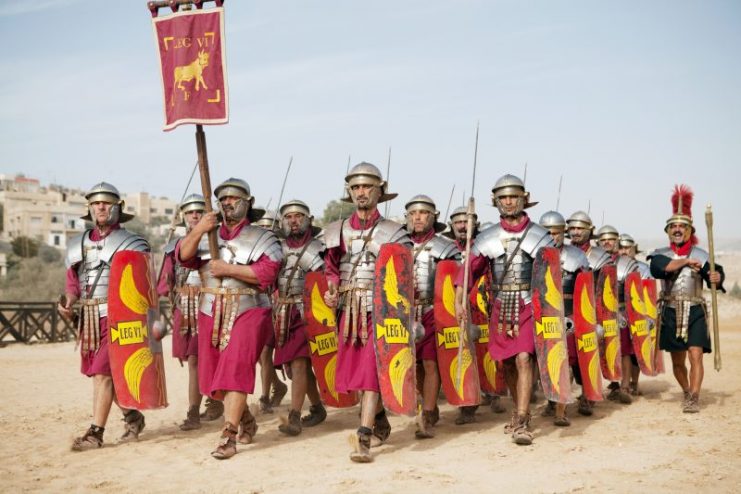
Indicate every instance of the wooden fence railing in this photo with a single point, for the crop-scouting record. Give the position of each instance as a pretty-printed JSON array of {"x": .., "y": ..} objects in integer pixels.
[{"x": 39, "y": 322}]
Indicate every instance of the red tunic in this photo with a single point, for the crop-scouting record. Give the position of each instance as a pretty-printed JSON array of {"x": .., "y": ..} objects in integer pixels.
[
  {"x": 183, "y": 345},
  {"x": 356, "y": 363},
  {"x": 233, "y": 369}
]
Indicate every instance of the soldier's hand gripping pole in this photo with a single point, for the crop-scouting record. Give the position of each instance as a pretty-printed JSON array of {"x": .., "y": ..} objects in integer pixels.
[
  {"x": 713, "y": 288},
  {"x": 213, "y": 245}
]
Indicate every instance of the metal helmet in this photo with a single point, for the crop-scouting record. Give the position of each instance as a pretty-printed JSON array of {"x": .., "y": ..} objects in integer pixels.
[
  {"x": 422, "y": 202},
  {"x": 608, "y": 232},
  {"x": 236, "y": 187},
  {"x": 105, "y": 192},
  {"x": 368, "y": 174},
  {"x": 269, "y": 220},
  {"x": 552, "y": 219},
  {"x": 194, "y": 202},
  {"x": 580, "y": 219},
  {"x": 297, "y": 206},
  {"x": 626, "y": 240},
  {"x": 461, "y": 213},
  {"x": 510, "y": 185}
]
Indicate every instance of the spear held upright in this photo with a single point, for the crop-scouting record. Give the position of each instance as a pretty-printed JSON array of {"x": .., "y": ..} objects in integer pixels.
[
  {"x": 467, "y": 265},
  {"x": 713, "y": 288}
]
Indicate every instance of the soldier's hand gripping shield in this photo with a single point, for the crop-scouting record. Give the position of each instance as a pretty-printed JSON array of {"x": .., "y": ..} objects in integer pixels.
[
  {"x": 393, "y": 316},
  {"x": 550, "y": 337},
  {"x": 639, "y": 331},
  {"x": 321, "y": 333},
  {"x": 447, "y": 334},
  {"x": 137, "y": 365},
  {"x": 585, "y": 334},
  {"x": 607, "y": 306}
]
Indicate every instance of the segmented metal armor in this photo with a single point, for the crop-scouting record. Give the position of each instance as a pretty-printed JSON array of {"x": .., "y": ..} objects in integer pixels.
[
  {"x": 683, "y": 290},
  {"x": 598, "y": 257},
  {"x": 227, "y": 298},
  {"x": 357, "y": 268},
  {"x": 426, "y": 256},
  {"x": 573, "y": 261},
  {"x": 297, "y": 262},
  {"x": 93, "y": 265},
  {"x": 511, "y": 258},
  {"x": 185, "y": 292},
  {"x": 624, "y": 266}
]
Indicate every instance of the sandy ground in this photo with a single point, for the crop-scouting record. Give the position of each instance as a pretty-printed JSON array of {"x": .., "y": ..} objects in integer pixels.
[{"x": 647, "y": 445}]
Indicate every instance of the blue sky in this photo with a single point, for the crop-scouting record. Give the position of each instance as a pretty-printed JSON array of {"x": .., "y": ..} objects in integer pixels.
[{"x": 622, "y": 99}]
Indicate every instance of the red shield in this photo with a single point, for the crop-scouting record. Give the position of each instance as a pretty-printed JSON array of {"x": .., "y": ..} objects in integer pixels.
[
  {"x": 587, "y": 348},
  {"x": 447, "y": 339},
  {"x": 607, "y": 306},
  {"x": 321, "y": 333},
  {"x": 393, "y": 316},
  {"x": 136, "y": 359},
  {"x": 650, "y": 299},
  {"x": 491, "y": 375},
  {"x": 635, "y": 309},
  {"x": 190, "y": 46},
  {"x": 550, "y": 339}
]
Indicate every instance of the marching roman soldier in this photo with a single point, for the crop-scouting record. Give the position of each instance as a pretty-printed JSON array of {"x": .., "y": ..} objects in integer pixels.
[
  {"x": 352, "y": 249},
  {"x": 429, "y": 249},
  {"x": 608, "y": 236},
  {"x": 683, "y": 327},
  {"x": 302, "y": 253},
  {"x": 234, "y": 321},
  {"x": 182, "y": 287},
  {"x": 573, "y": 260},
  {"x": 508, "y": 250},
  {"x": 268, "y": 377},
  {"x": 581, "y": 231},
  {"x": 88, "y": 264},
  {"x": 627, "y": 246},
  {"x": 457, "y": 228}
]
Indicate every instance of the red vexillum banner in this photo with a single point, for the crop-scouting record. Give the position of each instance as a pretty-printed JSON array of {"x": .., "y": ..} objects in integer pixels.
[{"x": 190, "y": 46}]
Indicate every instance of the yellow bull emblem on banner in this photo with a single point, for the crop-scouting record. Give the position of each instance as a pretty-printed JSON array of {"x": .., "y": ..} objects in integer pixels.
[{"x": 186, "y": 73}]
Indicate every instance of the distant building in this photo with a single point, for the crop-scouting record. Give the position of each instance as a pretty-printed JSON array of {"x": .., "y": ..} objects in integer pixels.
[{"x": 52, "y": 214}]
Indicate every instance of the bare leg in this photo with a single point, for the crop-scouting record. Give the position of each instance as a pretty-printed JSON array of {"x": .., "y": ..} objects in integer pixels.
[
  {"x": 524, "y": 382},
  {"x": 299, "y": 371},
  {"x": 266, "y": 370},
  {"x": 697, "y": 371},
  {"x": 431, "y": 385},
  {"x": 627, "y": 372},
  {"x": 194, "y": 394},
  {"x": 370, "y": 406},
  {"x": 312, "y": 389},
  {"x": 234, "y": 404},
  {"x": 680, "y": 369},
  {"x": 510, "y": 377},
  {"x": 102, "y": 399}
]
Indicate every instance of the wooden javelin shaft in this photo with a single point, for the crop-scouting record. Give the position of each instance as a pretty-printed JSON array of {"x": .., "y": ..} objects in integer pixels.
[{"x": 213, "y": 245}]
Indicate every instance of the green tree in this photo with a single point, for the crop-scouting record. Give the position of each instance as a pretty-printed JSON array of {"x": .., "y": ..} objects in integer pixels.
[
  {"x": 2, "y": 215},
  {"x": 333, "y": 211},
  {"x": 49, "y": 255},
  {"x": 25, "y": 247},
  {"x": 32, "y": 280}
]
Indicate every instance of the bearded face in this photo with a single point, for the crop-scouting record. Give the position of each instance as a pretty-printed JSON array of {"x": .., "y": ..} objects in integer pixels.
[
  {"x": 365, "y": 196},
  {"x": 234, "y": 209},
  {"x": 679, "y": 233},
  {"x": 295, "y": 224},
  {"x": 609, "y": 244},
  {"x": 460, "y": 228},
  {"x": 579, "y": 235}
]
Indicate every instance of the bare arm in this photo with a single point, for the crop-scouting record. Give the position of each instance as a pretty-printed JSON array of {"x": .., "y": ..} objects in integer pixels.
[
  {"x": 189, "y": 244},
  {"x": 221, "y": 269}
]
